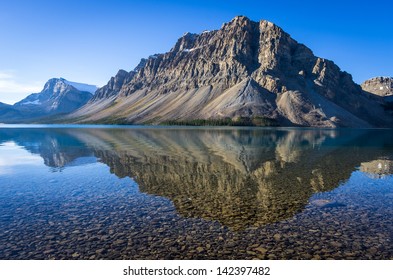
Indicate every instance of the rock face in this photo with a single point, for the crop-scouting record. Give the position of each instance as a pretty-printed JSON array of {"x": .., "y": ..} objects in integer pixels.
[
  {"x": 245, "y": 69},
  {"x": 114, "y": 85},
  {"x": 381, "y": 86},
  {"x": 380, "y": 89},
  {"x": 59, "y": 96}
]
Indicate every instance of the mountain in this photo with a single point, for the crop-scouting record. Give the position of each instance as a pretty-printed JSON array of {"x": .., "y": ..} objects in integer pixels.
[
  {"x": 244, "y": 71},
  {"x": 58, "y": 96},
  {"x": 114, "y": 85},
  {"x": 381, "y": 86},
  {"x": 381, "y": 90}
]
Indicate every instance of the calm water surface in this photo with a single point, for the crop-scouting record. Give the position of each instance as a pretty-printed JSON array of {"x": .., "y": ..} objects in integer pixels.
[{"x": 87, "y": 192}]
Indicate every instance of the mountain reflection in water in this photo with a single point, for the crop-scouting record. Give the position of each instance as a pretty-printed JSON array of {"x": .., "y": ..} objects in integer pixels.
[{"x": 240, "y": 177}]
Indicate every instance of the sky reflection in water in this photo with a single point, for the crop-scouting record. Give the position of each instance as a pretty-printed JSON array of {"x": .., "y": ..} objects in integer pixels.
[{"x": 238, "y": 185}]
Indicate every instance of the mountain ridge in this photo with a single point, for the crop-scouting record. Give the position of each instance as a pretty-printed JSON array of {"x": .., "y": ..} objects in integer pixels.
[
  {"x": 246, "y": 69},
  {"x": 245, "y": 73},
  {"x": 58, "y": 96}
]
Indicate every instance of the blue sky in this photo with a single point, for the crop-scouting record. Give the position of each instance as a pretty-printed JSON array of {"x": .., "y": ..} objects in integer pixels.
[{"x": 88, "y": 41}]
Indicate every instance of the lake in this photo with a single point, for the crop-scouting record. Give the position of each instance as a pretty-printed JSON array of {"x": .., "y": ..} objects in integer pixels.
[{"x": 140, "y": 192}]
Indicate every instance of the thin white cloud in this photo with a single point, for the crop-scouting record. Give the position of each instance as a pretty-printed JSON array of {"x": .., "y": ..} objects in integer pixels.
[
  {"x": 5, "y": 75},
  {"x": 11, "y": 90},
  {"x": 13, "y": 157}
]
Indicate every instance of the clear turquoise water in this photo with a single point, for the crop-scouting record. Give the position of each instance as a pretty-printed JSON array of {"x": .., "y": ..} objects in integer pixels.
[{"x": 116, "y": 192}]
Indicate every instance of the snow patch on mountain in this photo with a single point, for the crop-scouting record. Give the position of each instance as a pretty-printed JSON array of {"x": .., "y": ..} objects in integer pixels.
[
  {"x": 35, "y": 102},
  {"x": 81, "y": 87}
]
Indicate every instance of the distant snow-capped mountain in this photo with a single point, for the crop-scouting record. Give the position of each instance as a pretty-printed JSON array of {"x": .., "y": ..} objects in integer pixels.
[
  {"x": 58, "y": 96},
  {"x": 82, "y": 87}
]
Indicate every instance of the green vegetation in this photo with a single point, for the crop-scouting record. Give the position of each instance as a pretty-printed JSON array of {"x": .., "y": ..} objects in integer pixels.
[
  {"x": 240, "y": 121},
  {"x": 115, "y": 120}
]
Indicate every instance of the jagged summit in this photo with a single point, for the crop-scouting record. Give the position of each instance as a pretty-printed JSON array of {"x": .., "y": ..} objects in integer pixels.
[
  {"x": 55, "y": 86},
  {"x": 381, "y": 86},
  {"x": 240, "y": 19},
  {"x": 114, "y": 85}
]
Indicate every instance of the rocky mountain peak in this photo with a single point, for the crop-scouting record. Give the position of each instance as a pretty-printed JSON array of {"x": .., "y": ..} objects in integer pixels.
[
  {"x": 140, "y": 65},
  {"x": 114, "y": 85},
  {"x": 57, "y": 97},
  {"x": 240, "y": 21},
  {"x": 244, "y": 69},
  {"x": 381, "y": 86},
  {"x": 121, "y": 73},
  {"x": 185, "y": 42},
  {"x": 55, "y": 86}
]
